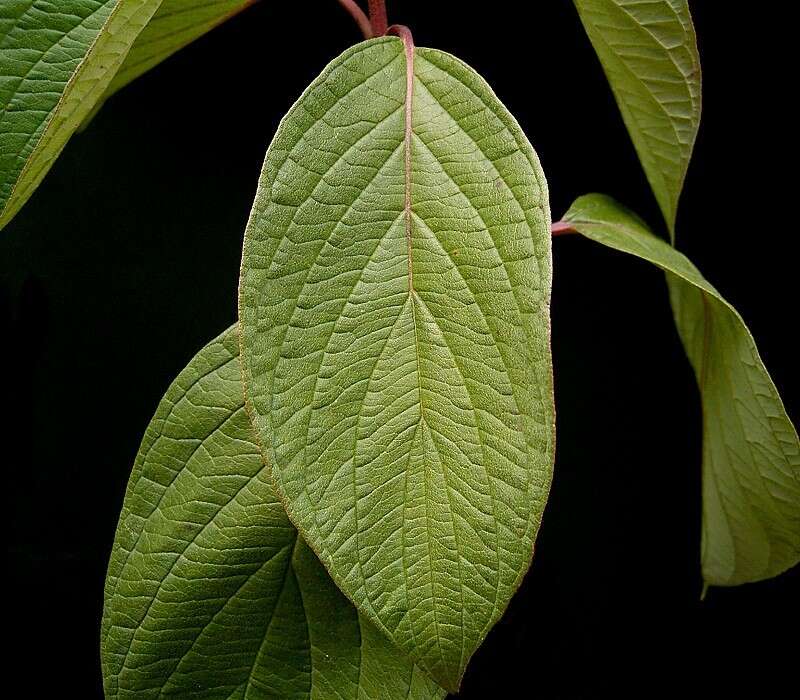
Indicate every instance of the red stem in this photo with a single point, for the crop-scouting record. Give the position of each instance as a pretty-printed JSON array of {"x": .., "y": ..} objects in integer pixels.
[
  {"x": 377, "y": 17},
  {"x": 562, "y": 228},
  {"x": 376, "y": 25},
  {"x": 400, "y": 30},
  {"x": 358, "y": 15}
]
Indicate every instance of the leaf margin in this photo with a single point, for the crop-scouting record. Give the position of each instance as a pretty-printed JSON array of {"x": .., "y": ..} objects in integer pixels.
[
  {"x": 594, "y": 216},
  {"x": 199, "y": 385},
  {"x": 510, "y": 122},
  {"x": 135, "y": 66},
  {"x": 127, "y": 18},
  {"x": 668, "y": 201}
]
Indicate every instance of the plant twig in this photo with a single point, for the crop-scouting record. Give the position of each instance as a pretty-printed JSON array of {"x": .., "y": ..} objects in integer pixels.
[
  {"x": 562, "y": 228},
  {"x": 358, "y": 15},
  {"x": 377, "y": 17}
]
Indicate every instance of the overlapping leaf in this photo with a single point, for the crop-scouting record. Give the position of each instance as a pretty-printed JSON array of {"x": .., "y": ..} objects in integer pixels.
[
  {"x": 649, "y": 53},
  {"x": 210, "y": 591},
  {"x": 175, "y": 24},
  {"x": 395, "y": 332},
  {"x": 56, "y": 59},
  {"x": 751, "y": 454}
]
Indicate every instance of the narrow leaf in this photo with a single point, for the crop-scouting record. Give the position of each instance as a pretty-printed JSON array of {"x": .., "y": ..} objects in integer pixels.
[
  {"x": 56, "y": 59},
  {"x": 176, "y": 24},
  {"x": 649, "y": 53},
  {"x": 394, "y": 305},
  {"x": 210, "y": 591},
  {"x": 751, "y": 454}
]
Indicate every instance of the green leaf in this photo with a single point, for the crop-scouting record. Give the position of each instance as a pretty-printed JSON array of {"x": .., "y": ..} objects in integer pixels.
[
  {"x": 394, "y": 305},
  {"x": 210, "y": 591},
  {"x": 176, "y": 24},
  {"x": 649, "y": 53},
  {"x": 751, "y": 454},
  {"x": 56, "y": 59}
]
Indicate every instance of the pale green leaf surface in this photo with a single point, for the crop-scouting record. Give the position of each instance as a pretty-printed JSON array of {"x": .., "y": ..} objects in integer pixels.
[
  {"x": 56, "y": 59},
  {"x": 394, "y": 305},
  {"x": 649, "y": 53},
  {"x": 751, "y": 454},
  {"x": 210, "y": 591}
]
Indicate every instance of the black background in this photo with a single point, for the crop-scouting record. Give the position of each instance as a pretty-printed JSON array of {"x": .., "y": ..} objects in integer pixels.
[{"x": 125, "y": 262}]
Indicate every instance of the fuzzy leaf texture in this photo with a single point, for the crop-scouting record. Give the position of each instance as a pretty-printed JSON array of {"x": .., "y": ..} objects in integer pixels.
[
  {"x": 56, "y": 59},
  {"x": 210, "y": 591},
  {"x": 649, "y": 53},
  {"x": 394, "y": 307},
  {"x": 751, "y": 454}
]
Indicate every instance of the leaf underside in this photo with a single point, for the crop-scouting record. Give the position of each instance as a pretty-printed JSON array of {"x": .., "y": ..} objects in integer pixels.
[
  {"x": 210, "y": 591},
  {"x": 394, "y": 306},
  {"x": 56, "y": 59},
  {"x": 649, "y": 53},
  {"x": 751, "y": 454}
]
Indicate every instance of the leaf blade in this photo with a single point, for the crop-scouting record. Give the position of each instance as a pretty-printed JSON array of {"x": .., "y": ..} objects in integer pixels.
[
  {"x": 751, "y": 453},
  {"x": 175, "y": 25},
  {"x": 648, "y": 50},
  {"x": 413, "y": 449},
  {"x": 56, "y": 64},
  {"x": 210, "y": 591}
]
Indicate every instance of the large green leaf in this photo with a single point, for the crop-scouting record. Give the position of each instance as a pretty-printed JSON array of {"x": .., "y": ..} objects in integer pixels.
[
  {"x": 56, "y": 59},
  {"x": 394, "y": 305},
  {"x": 751, "y": 454},
  {"x": 649, "y": 53},
  {"x": 210, "y": 591}
]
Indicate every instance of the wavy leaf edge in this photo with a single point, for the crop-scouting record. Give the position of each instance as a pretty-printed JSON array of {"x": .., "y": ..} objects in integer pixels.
[{"x": 768, "y": 541}]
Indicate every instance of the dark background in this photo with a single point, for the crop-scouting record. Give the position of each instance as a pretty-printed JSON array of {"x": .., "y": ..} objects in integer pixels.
[{"x": 125, "y": 262}]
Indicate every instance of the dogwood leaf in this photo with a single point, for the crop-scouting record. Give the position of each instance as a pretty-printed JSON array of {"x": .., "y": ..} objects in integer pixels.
[
  {"x": 751, "y": 454},
  {"x": 394, "y": 306},
  {"x": 56, "y": 59},
  {"x": 210, "y": 591},
  {"x": 649, "y": 53}
]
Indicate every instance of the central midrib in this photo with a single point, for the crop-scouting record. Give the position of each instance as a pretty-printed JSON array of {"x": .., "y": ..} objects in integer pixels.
[
  {"x": 408, "y": 45},
  {"x": 409, "y": 49}
]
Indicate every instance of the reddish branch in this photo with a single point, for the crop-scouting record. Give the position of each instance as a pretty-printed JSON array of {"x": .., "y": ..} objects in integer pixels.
[
  {"x": 562, "y": 228},
  {"x": 358, "y": 15},
  {"x": 377, "y": 17},
  {"x": 374, "y": 25}
]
